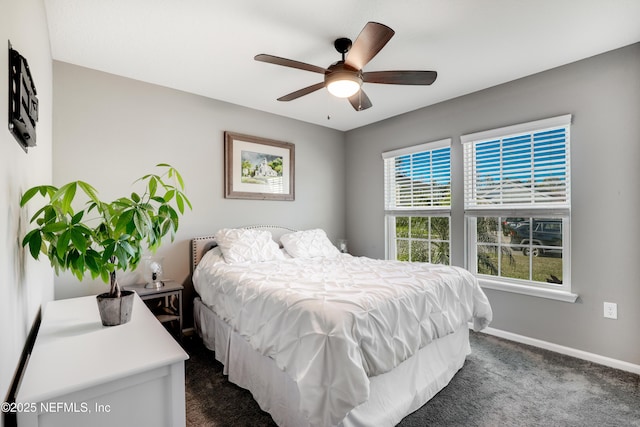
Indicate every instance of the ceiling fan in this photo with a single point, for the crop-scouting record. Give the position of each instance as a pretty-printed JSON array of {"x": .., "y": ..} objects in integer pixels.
[{"x": 344, "y": 78}]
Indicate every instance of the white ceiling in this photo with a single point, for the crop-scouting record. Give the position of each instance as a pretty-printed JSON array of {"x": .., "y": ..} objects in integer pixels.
[{"x": 207, "y": 47}]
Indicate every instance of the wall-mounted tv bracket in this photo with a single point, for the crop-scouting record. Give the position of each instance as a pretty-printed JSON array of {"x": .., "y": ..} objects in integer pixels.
[{"x": 23, "y": 104}]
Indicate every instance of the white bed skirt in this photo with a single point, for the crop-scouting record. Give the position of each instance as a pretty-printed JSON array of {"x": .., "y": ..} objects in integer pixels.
[{"x": 393, "y": 395}]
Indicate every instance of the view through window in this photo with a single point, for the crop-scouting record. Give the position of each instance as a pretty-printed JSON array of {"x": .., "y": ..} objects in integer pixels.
[
  {"x": 517, "y": 203},
  {"x": 418, "y": 202}
]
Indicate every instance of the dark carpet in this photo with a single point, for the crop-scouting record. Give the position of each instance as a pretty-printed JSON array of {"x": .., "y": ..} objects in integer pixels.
[{"x": 501, "y": 384}]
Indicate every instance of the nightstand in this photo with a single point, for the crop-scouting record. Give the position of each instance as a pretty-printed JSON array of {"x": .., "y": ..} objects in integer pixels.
[{"x": 164, "y": 309}]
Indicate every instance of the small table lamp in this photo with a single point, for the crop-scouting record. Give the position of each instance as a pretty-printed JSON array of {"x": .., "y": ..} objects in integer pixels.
[{"x": 153, "y": 272}]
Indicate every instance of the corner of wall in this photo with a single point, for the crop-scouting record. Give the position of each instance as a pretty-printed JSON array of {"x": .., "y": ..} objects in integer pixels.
[{"x": 26, "y": 284}]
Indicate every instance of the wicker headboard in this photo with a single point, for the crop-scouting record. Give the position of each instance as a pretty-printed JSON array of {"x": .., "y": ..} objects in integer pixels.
[{"x": 200, "y": 245}]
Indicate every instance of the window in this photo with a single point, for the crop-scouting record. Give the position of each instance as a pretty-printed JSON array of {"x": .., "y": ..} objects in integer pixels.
[
  {"x": 417, "y": 193},
  {"x": 517, "y": 207}
]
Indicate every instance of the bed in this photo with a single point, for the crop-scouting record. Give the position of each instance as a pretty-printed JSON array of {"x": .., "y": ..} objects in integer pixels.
[{"x": 322, "y": 338}]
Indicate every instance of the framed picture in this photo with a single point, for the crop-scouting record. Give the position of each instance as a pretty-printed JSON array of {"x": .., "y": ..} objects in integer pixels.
[{"x": 258, "y": 168}]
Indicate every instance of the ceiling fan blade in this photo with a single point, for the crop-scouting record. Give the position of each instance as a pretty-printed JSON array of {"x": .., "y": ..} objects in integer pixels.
[
  {"x": 289, "y": 63},
  {"x": 360, "y": 101},
  {"x": 400, "y": 77},
  {"x": 302, "y": 92},
  {"x": 370, "y": 41}
]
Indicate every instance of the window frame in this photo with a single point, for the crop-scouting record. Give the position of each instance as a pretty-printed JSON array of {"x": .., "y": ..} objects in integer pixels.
[
  {"x": 474, "y": 210},
  {"x": 392, "y": 212}
]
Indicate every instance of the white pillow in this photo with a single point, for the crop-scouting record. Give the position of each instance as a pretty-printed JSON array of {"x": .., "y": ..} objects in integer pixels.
[
  {"x": 247, "y": 245},
  {"x": 309, "y": 244}
]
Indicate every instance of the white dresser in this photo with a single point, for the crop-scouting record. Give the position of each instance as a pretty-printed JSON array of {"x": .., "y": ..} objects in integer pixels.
[{"x": 81, "y": 373}]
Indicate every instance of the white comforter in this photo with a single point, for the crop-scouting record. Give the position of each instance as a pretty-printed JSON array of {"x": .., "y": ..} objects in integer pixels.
[{"x": 331, "y": 323}]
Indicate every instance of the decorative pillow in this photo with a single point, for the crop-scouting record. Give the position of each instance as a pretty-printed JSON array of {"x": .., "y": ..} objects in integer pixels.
[
  {"x": 309, "y": 244},
  {"x": 247, "y": 245}
]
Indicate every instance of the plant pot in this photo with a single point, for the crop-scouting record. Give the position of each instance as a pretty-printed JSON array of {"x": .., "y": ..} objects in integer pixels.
[{"x": 113, "y": 310}]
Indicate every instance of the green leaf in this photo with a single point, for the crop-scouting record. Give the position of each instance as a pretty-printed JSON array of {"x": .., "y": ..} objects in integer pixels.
[
  {"x": 50, "y": 214},
  {"x": 78, "y": 262},
  {"x": 91, "y": 206},
  {"x": 123, "y": 202},
  {"x": 172, "y": 214},
  {"x": 84, "y": 230},
  {"x": 76, "y": 265},
  {"x": 176, "y": 222},
  {"x": 68, "y": 198},
  {"x": 166, "y": 227},
  {"x": 146, "y": 206},
  {"x": 28, "y": 236},
  {"x": 89, "y": 191},
  {"x": 104, "y": 275},
  {"x": 55, "y": 227},
  {"x": 187, "y": 201},
  {"x": 121, "y": 254},
  {"x": 67, "y": 192},
  {"x": 143, "y": 222},
  {"x": 77, "y": 217},
  {"x": 135, "y": 197},
  {"x": 139, "y": 223},
  {"x": 124, "y": 220},
  {"x": 153, "y": 186},
  {"x": 43, "y": 209},
  {"x": 63, "y": 244},
  {"x": 28, "y": 195},
  {"x": 128, "y": 248},
  {"x": 42, "y": 189},
  {"x": 92, "y": 263},
  {"x": 180, "y": 203},
  {"x": 108, "y": 251},
  {"x": 169, "y": 195},
  {"x": 79, "y": 240},
  {"x": 35, "y": 243},
  {"x": 179, "y": 179}
]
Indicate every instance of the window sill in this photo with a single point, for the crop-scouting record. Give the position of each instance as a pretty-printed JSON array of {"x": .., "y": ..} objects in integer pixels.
[{"x": 529, "y": 290}]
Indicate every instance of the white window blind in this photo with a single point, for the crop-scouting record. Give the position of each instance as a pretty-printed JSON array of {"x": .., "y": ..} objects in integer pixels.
[
  {"x": 522, "y": 166},
  {"x": 419, "y": 177}
]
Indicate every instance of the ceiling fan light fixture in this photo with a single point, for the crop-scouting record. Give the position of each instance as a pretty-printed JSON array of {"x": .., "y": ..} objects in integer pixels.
[
  {"x": 343, "y": 84},
  {"x": 344, "y": 78}
]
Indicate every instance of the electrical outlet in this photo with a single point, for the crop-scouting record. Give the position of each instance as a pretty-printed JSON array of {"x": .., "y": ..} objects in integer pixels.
[{"x": 610, "y": 310}]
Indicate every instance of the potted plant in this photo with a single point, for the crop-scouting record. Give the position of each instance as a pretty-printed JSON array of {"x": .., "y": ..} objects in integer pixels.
[{"x": 104, "y": 237}]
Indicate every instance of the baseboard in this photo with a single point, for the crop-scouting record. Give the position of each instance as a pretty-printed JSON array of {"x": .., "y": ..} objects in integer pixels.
[{"x": 584, "y": 355}]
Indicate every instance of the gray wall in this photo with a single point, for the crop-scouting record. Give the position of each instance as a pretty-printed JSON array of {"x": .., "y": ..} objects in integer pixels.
[
  {"x": 110, "y": 130},
  {"x": 603, "y": 94},
  {"x": 25, "y": 284}
]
